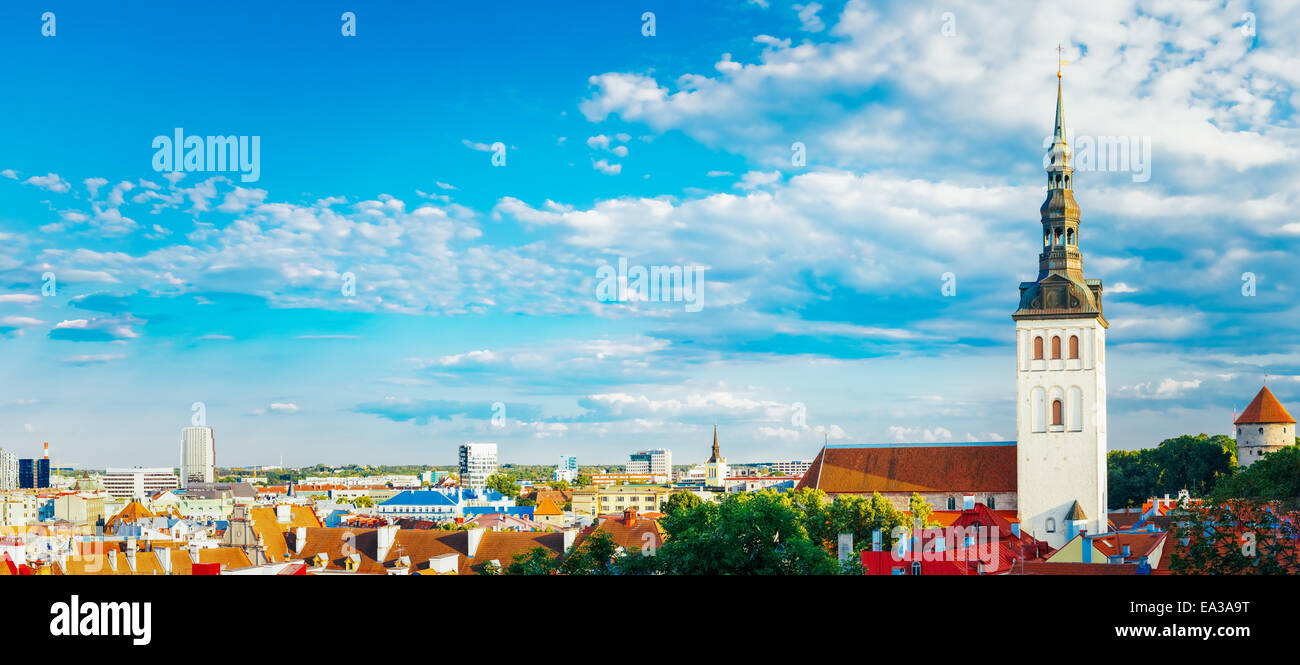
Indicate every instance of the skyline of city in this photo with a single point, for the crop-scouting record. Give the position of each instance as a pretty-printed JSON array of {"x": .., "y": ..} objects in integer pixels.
[{"x": 832, "y": 176}]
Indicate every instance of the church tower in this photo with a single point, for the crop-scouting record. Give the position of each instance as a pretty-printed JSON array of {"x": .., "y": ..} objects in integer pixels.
[
  {"x": 715, "y": 469},
  {"x": 1060, "y": 372}
]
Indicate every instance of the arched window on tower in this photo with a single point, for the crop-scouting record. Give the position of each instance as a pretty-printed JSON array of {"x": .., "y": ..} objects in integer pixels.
[
  {"x": 1038, "y": 348},
  {"x": 1047, "y": 237},
  {"x": 1057, "y": 234},
  {"x": 1056, "y": 347},
  {"x": 1058, "y": 413},
  {"x": 1074, "y": 347},
  {"x": 1069, "y": 237}
]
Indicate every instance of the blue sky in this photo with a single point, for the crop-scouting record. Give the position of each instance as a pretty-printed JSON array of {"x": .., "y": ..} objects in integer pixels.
[{"x": 823, "y": 316}]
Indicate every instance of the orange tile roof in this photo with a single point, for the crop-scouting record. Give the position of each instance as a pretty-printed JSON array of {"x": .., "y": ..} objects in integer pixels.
[
  {"x": 1264, "y": 409},
  {"x": 546, "y": 506},
  {"x": 630, "y": 538},
  {"x": 913, "y": 468}
]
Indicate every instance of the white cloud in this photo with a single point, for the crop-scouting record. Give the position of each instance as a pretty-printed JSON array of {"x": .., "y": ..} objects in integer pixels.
[{"x": 51, "y": 182}]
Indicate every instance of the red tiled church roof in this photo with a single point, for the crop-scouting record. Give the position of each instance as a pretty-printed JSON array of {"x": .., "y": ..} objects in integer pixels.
[
  {"x": 1264, "y": 409},
  {"x": 977, "y": 467}
]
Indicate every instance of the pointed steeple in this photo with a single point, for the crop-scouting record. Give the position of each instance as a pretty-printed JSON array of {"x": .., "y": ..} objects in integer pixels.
[
  {"x": 716, "y": 455},
  {"x": 1061, "y": 291}
]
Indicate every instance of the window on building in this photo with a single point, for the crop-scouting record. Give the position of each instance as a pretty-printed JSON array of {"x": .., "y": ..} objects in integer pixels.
[
  {"x": 952, "y": 503},
  {"x": 1056, "y": 347},
  {"x": 1058, "y": 412},
  {"x": 1074, "y": 347},
  {"x": 1038, "y": 348},
  {"x": 916, "y": 567},
  {"x": 992, "y": 504},
  {"x": 1051, "y": 525}
]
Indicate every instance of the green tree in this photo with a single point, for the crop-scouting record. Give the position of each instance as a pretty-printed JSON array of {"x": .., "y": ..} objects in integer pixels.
[
  {"x": 679, "y": 501},
  {"x": 583, "y": 480},
  {"x": 921, "y": 510},
  {"x": 1195, "y": 463},
  {"x": 364, "y": 502},
  {"x": 561, "y": 485},
  {"x": 1275, "y": 478},
  {"x": 537, "y": 561},
  {"x": 597, "y": 555},
  {"x": 1234, "y": 537},
  {"x": 503, "y": 483},
  {"x": 751, "y": 533}
]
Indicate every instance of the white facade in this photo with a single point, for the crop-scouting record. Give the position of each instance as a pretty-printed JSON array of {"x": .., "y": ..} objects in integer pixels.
[
  {"x": 791, "y": 468},
  {"x": 657, "y": 461},
  {"x": 1060, "y": 459},
  {"x": 477, "y": 462},
  {"x": 1254, "y": 440},
  {"x": 138, "y": 482},
  {"x": 567, "y": 469},
  {"x": 8, "y": 470},
  {"x": 198, "y": 456}
]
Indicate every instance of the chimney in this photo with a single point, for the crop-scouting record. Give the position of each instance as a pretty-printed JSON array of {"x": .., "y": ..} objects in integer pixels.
[
  {"x": 283, "y": 513},
  {"x": 299, "y": 539},
  {"x": 475, "y": 537},
  {"x": 112, "y": 560},
  {"x": 569, "y": 536},
  {"x": 1015, "y": 529},
  {"x": 629, "y": 517},
  {"x": 130, "y": 554},
  {"x": 164, "y": 555},
  {"x": 384, "y": 537},
  {"x": 47, "y": 450},
  {"x": 443, "y": 564},
  {"x": 1127, "y": 552}
]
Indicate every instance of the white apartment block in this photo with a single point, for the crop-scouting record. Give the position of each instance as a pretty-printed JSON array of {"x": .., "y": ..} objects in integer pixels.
[
  {"x": 656, "y": 461},
  {"x": 477, "y": 462},
  {"x": 19, "y": 509},
  {"x": 791, "y": 468},
  {"x": 8, "y": 470},
  {"x": 139, "y": 482},
  {"x": 567, "y": 469},
  {"x": 198, "y": 456}
]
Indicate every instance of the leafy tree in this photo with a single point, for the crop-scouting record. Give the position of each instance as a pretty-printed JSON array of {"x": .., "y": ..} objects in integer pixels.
[
  {"x": 1234, "y": 537},
  {"x": 1192, "y": 462},
  {"x": 525, "y": 501},
  {"x": 583, "y": 480},
  {"x": 537, "y": 561},
  {"x": 752, "y": 533},
  {"x": 1276, "y": 477},
  {"x": 921, "y": 510},
  {"x": 503, "y": 483},
  {"x": 364, "y": 502},
  {"x": 597, "y": 555},
  {"x": 680, "y": 501}
]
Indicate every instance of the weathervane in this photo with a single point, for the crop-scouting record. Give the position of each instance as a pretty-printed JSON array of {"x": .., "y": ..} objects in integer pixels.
[{"x": 1059, "y": 62}]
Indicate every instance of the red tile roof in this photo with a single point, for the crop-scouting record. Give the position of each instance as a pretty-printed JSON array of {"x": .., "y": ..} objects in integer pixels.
[
  {"x": 913, "y": 468},
  {"x": 1046, "y": 568},
  {"x": 1264, "y": 409}
]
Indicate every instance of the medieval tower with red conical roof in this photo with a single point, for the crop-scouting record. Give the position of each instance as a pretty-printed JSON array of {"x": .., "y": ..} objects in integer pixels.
[
  {"x": 1264, "y": 427},
  {"x": 1060, "y": 372}
]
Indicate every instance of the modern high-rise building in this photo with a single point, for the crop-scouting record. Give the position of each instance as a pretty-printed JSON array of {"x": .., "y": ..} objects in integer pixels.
[
  {"x": 43, "y": 473},
  {"x": 8, "y": 470},
  {"x": 139, "y": 482},
  {"x": 477, "y": 462},
  {"x": 198, "y": 456},
  {"x": 26, "y": 473},
  {"x": 567, "y": 469},
  {"x": 656, "y": 461}
]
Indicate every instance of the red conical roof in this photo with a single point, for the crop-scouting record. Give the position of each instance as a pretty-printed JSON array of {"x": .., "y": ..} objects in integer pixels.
[{"x": 1264, "y": 409}]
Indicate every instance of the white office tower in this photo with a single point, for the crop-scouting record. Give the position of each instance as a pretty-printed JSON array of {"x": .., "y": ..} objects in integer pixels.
[
  {"x": 567, "y": 469},
  {"x": 198, "y": 456},
  {"x": 8, "y": 470},
  {"x": 477, "y": 462},
  {"x": 657, "y": 461}
]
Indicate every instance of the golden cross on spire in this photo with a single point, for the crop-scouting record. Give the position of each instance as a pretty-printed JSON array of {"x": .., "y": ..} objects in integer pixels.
[{"x": 1058, "y": 60}]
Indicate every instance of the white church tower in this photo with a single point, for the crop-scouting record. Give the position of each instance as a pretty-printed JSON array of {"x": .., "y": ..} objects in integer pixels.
[{"x": 1060, "y": 373}]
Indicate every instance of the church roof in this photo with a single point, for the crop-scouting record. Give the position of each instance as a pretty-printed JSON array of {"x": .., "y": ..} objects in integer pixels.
[
  {"x": 1264, "y": 409},
  {"x": 945, "y": 467}
]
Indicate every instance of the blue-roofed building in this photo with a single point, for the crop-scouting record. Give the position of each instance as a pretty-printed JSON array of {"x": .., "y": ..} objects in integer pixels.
[{"x": 449, "y": 502}]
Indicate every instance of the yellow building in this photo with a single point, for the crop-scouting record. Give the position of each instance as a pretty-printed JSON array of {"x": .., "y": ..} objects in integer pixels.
[
  {"x": 608, "y": 499},
  {"x": 81, "y": 507}
]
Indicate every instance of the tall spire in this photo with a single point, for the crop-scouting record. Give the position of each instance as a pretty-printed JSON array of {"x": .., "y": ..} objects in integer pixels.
[
  {"x": 1060, "y": 256},
  {"x": 716, "y": 455}
]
